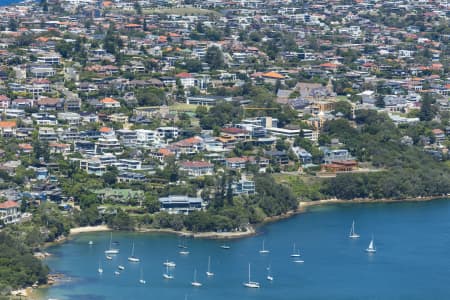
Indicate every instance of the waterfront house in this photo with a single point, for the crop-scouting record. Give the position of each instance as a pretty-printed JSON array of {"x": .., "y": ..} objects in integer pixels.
[{"x": 181, "y": 204}]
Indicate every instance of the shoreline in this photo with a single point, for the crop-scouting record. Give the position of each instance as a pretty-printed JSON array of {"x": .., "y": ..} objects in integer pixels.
[
  {"x": 252, "y": 229},
  {"x": 304, "y": 205}
]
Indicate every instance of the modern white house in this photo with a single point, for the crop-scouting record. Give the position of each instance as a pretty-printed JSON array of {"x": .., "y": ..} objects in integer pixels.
[{"x": 181, "y": 204}]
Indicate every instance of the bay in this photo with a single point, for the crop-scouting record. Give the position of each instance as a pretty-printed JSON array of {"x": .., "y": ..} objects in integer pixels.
[{"x": 412, "y": 259}]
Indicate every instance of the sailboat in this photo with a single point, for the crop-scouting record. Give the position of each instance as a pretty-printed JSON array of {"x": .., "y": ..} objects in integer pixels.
[
  {"x": 182, "y": 244},
  {"x": 353, "y": 234},
  {"x": 250, "y": 283},
  {"x": 109, "y": 257},
  {"x": 100, "y": 269},
  {"x": 263, "y": 250},
  {"x": 142, "y": 280},
  {"x": 168, "y": 263},
  {"x": 225, "y": 246},
  {"x": 295, "y": 253},
  {"x": 117, "y": 273},
  {"x": 195, "y": 282},
  {"x": 209, "y": 273},
  {"x": 91, "y": 243},
  {"x": 269, "y": 274},
  {"x": 111, "y": 250},
  {"x": 371, "y": 248},
  {"x": 133, "y": 258},
  {"x": 167, "y": 275},
  {"x": 120, "y": 267},
  {"x": 184, "y": 252}
]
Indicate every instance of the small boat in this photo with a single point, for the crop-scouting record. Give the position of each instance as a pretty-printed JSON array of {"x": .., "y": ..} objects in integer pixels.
[
  {"x": 108, "y": 257},
  {"x": 120, "y": 267},
  {"x": 250, "y": 283},
  {"x": 371, "y": 248},
  {"x": 209, "y": 273},
  {"x": 169, "y": 264},
  {"x": 184, "y": 252},
  {"x": 167, "y": 275},
  {"x": 100, "y": 269},
  {"x": 195, "y": 282},
  {"x": 133, "y": 258},
  {"x": 226, "y": 247},
  {"x": 295, "y": 253},
  {"x": 353, "y": 234},
  {"x": 117, "y": 273},
  {"x": 142, "y": 280},
  {"x": 269, "y": 274},
  {"x": 91, "y": 243},
  {"x": 299, "y": 261},
  {"x": 263, "y": 250},
  {"x": 111, "y": 250}
]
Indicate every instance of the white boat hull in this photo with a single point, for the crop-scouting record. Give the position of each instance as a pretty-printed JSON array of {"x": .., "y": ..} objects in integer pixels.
[
  {"x": 253, "y": 285},
  {"x": 354, "y": 236},
  {"x": 133, "y": 259},
  {"x": 167, "y": 276},
  {"x": 209, "y": 274},
  {"x": 112, "y": 251},
  {"x": 196, "y": 284}
]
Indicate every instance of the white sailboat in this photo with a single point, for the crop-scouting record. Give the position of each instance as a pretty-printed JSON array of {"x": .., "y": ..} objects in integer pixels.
[
  {"x": 142, "y": 280},
  {"x": 100, "y": 269},
  {"x": 117, "y": 273},
  {"x": 353, "y": 234},
  {"x": 195, "y": 282},
  {"x": 225, "y": 246},
  {"x": 120, "y": 267},
  {"x": 250, "y": 283},
  {"x": 371, "y": 248},
  {"x": 109, "y": 257},
  {"x": 167, "y": 275},
  {"x": 295, "y": 252},
  {"x": 184, "y": 252},
  {"x": 133, "y": 258},
  {"x": 269, "y": 274},
  {"x": 263, "y": 250},
  {"x": 91, "y": 243},
  {"x": 170, "y": 264},
  {"x": 111, "y": 250},
  {"x": 209, "y": 273}
]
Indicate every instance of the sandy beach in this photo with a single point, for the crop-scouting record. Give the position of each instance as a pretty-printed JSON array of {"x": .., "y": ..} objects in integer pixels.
[{"x": 87, "y": 229}]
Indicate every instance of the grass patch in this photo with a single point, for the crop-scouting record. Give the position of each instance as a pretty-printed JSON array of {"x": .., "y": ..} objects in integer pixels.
[{"x": 305, "y": 188}]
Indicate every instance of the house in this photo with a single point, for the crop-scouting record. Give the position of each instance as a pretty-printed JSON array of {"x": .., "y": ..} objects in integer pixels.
[
  {"x": 236, "y": 162},
  {"x": 439, "y": 135},
  {"x": 8, "y": 128},
  {"x": 128, "y": 177},
  {"x": 197, "y": 168},
  {"x": 161, "y": 154},
  {"x": 278, "y": 157},
  {"x": 189, "y": 146},
  {"x": 330, "y": 156},
  {"x": 4, "y": 102},
  {"x": 110, "y": 103},
  {"x": 9, "y": 212},
  {"x": 181, "y": 204},
  {"x": 186, "y": 80},
  {"x": 304, "y": 156},
  {"x": 244, "y": 186},
  {"x": 59, "y": 148}
]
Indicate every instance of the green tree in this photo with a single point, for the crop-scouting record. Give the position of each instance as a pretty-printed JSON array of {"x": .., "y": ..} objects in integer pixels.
[{"x": 214, "y": 58}]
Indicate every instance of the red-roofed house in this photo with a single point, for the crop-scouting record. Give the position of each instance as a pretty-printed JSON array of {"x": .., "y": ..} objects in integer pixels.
[
  {"x": 9, "y": 212},
  {"x": 8, "y": 128},
  {"x": 110, "y": 103},
  {"x": 197, "y": 168},
  {"x": 186, "y": 79},
  {"x": 189, "y": 146}
]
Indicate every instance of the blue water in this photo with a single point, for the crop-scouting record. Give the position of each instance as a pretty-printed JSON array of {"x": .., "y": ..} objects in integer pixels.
[
  {"x": 8, "y": 2},
  {"x": 412, "y": 259}
]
